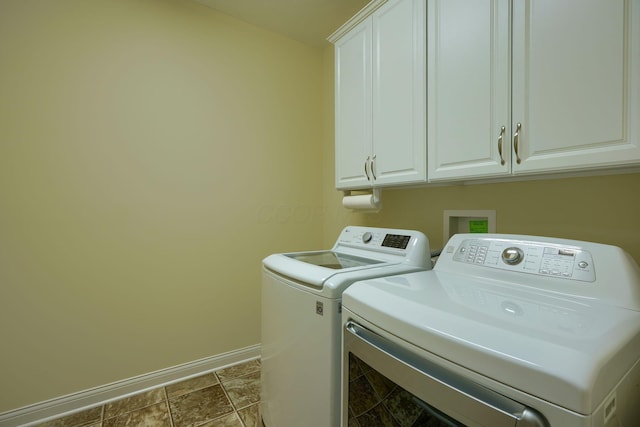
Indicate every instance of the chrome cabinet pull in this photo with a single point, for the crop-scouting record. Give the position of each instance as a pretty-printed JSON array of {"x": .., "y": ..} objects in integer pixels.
[
  {"x": 366, "y": 172},
  {"x": 516, "y": 136},
  {"x": 373, "y": 170},
  {"x": 502, "y": 129}
]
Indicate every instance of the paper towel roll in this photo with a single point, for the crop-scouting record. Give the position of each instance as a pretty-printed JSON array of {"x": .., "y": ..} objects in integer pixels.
[{"x": 361, "y": 202}]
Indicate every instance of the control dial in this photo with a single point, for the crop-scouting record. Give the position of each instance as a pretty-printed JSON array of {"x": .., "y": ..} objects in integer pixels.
[
  {"x": 367, "y": 236},
  {"x": 512, "y": 255}
]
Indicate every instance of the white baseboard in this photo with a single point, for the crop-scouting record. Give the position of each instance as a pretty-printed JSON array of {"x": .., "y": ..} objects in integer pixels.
[{"x": 86, "y": 399}]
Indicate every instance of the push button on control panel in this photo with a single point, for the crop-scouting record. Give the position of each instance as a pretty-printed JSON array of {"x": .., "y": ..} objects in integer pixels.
[{"x": 474, "y": 253}]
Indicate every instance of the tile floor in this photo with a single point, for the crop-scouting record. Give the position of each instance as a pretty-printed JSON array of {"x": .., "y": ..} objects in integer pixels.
[
  {"x": 227, "y": 398},
  {"x": 375, "y": 400}
]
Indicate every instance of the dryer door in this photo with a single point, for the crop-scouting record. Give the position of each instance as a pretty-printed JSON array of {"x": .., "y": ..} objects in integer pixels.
[{"x": 424, "y": 390}]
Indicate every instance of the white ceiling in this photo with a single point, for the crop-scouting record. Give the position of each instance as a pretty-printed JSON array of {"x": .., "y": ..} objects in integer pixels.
[{"x": 308, "y": 21}]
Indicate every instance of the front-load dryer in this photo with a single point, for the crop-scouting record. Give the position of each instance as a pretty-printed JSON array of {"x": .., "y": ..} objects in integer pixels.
[{"x": 505, "y": 330}]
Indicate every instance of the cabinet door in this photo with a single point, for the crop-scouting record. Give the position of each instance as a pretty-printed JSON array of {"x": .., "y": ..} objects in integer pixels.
[
  {"x": 353, "y": 107},
  {"x": 576, "y": 79},
  {"x": 399, "y": 93},
  {"x": 468, "y": 88}
]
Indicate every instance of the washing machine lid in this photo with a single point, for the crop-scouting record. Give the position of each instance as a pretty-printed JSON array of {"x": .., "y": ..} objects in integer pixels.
[
  {"x": 333, "y": 260},
  {"x": 358, "y": 253},
  {"x": 316, "y": 268},
  {"x": 569, "y": 351}
]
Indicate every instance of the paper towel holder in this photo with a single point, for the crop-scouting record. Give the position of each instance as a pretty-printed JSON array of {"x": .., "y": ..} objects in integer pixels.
[
  {"x": 377, "y": 195},
  {"x": 371, "y": 202}
]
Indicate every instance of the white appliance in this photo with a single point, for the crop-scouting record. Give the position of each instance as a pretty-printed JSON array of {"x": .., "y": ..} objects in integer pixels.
[
  {"x": 506, "y": 330},
  {"x": 301, "y": 319}
]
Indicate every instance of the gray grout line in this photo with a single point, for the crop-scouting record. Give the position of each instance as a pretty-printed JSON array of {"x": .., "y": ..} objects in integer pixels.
[
  {"x": 166, "y": 399},
  {"x": 235, "y": 410}
]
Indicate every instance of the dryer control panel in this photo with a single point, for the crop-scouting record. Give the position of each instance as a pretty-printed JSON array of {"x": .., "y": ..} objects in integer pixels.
[
  {"x": 592, "y": 272},
  {"x": 540, "y": 258}
]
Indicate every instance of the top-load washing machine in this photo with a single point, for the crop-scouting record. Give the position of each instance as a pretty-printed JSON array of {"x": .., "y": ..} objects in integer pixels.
[
  {"x": 505, "y": 330},
  {"x": 301, "y": 318}
]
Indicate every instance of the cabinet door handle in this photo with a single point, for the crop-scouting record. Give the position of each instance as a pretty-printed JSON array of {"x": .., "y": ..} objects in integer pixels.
[
  {"x": 366, "y": 172},
  {"x": 516, "y": 136},
  {"x": 502, "y": 129},
  {"x": 373, "y": 169}
]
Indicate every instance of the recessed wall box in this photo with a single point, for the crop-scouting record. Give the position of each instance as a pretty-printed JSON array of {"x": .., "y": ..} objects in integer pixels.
[{"x": 468, "y": 221}]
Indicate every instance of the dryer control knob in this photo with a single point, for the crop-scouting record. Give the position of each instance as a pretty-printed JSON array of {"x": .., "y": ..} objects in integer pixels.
[
  {"x": 367, "y": 236},
  {"x": 512, "y": 256}
]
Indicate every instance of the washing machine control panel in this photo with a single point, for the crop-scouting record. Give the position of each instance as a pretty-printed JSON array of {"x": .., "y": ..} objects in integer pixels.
[
  {"x": 391, "y": 245},
  {"x": 372, "y": 237},
  {"x": 540, "y": 258}
]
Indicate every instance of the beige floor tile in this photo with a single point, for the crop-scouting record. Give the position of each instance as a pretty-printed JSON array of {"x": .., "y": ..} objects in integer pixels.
[
  {"x": 230, "y": 420},
  {"x": 199, "y": 406},
  {"x": 239, "y": 370},
  {"x": 190, "y": 385},
  {"x": 132, "y": 403},
  {"x": 243, "y": 391},
  {"x": 80, "y": 419},
  {"x": 155, "y": 415},
  {"x": 250, "y": 416}
]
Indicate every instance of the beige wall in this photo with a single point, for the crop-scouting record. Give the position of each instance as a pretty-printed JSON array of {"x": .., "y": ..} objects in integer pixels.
[
  {"x": 152, "y": 153},
  {"x": 603, "y": 209},
  {"x": 147, "y": 151}
]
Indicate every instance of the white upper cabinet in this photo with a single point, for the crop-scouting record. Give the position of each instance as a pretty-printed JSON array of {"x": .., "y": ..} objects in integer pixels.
[
  {"x": 576, "y": 84},
  {"x": 353, "y": 106},
  {"x": 469, "y": 97},
  {"x": 381, "y": 97},
  {"x": 555, "y": 88}
]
